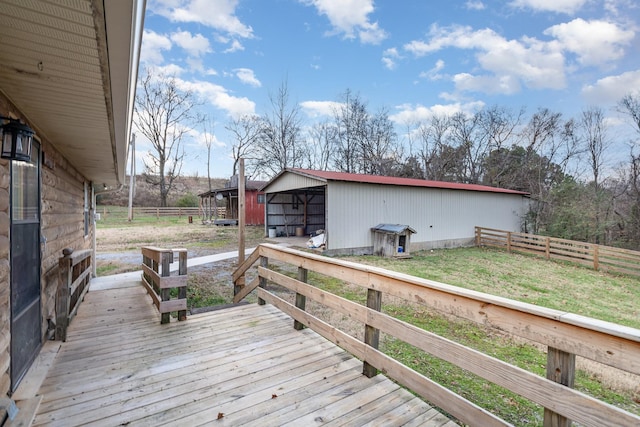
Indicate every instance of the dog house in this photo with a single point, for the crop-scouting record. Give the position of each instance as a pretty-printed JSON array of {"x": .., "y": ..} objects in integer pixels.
[{"x": 392, "y": 240}]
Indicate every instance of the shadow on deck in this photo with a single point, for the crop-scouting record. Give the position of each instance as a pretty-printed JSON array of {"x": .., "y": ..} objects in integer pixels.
[{"x": 240, "y": 366}]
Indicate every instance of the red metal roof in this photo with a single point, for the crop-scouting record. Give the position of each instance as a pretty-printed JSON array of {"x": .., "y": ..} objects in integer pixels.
[{"x": 408, "y": 182}]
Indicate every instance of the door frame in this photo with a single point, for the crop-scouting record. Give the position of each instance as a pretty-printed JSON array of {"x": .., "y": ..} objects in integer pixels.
[{"x": 17, "y": 377}]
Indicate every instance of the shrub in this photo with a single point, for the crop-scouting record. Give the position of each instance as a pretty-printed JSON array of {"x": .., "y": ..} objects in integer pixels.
[{"x": 189, "y": 200}]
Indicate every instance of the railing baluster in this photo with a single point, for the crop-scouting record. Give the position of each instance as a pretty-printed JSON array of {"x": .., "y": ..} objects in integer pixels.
[
  {"x": 561, "y": 368},
  {"x": 182, "y": 291},
  {"x": 165, "y": 294},
  {"x": 371, "y": 334},
  {"x": 264, "y": 262},
  {"x": 301, "y": 300}
]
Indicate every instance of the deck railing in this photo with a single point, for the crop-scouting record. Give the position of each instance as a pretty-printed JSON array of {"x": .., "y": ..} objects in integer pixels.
[
  {"x": 598, "y": 257},
  {"x": 75, "y": 273},
  {"x": 565, "y": 335},
  {"x": 157, "y": 278}
]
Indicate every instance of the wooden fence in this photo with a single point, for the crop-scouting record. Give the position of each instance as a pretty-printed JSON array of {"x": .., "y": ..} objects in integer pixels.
[
  {"x": 598, "y": 257},
  {"x": 122, "y": 212},
  {"x": 565, "y": 335},
  {"x": 156, "y": 277},
  {"x": 75, "y": 273}
]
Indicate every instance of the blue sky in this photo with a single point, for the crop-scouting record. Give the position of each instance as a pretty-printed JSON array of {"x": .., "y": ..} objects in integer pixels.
[{"x": 414, "y": 58}]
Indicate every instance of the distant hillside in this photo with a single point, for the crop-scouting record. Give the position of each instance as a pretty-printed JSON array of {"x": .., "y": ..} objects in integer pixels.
[{"x": 148, "y": 195}]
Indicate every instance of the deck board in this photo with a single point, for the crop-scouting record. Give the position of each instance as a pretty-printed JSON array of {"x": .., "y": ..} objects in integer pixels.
[{"x": 243, "y": 365}]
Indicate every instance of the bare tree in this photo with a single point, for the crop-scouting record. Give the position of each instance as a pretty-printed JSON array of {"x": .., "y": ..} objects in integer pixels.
[
  {"x": 596, "y": 143},
  {"x": 434, "y": 151},
  {"x": 279, "y": 143},
  {"x": 246, "y": 130},
  {"x": 321, "y": 136},
  {"x": 351, "y": 128},
  {"x": 163, "y": 114},
  {"x": 630, "y": 105}
]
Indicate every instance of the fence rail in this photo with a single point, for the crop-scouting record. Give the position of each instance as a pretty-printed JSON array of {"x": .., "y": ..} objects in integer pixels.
[
  {"x": 566, "y": 335},
  {"x": 121, "y": 212},
  {"x": 156, "y": 277},
  {"x": 75, "y": 273},
  {"x": 598, "y": 257}
]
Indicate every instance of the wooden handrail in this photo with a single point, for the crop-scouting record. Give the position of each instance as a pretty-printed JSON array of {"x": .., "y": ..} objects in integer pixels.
[
  {"x": 74, "y": 272},
  {"x": 598, "y": 257},
  {"x": 157, "y": 279},
  {"x": 565, "y": 334}
]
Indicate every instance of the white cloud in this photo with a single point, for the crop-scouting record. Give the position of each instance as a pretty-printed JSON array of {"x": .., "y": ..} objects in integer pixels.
[
  {"x": 389, "y": 57},
  {"x": 316, "y": 109},
  {"x": 474, "y": 5},
  {"x": 195, "y": 45},
  {"x": 510, "y": 63},
  {"x": 247, "y": 76},
  {"x": 152, "y": 46},
  {"x": 611, "y": 89},
  {"x": 409, "y": 113},
  {"x": 235, "y": 46},
  {"x": 217, "y": 14},
  {"x": 434, "y": 73},
  {"x": 219, "y": 97},
  {"x": 594, "y": 42},
  {"x": 201, "y": 138},
  {"x": 558, "y": 6},
  {"x": 350, "y": 18}
]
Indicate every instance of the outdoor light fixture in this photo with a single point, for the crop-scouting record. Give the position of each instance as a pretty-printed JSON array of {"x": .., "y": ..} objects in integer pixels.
[{"x": 16, "y": 140}]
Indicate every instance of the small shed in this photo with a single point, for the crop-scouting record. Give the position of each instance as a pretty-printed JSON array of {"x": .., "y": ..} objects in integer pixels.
[{"x": 392, "y": 240}]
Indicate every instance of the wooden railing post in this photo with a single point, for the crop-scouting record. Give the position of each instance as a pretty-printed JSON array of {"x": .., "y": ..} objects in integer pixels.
[
  {"x": 182, "y": 291},
  {"x": 371, "y": 334},
  {"x": 596, "y": 257},
  {"x": 561, "y": 368},
  {"x": 165, "y": 294},
  {"x": 301, "y": 300},
  {"x": 509, "y": 241},
  {"x": 63, "y": 299},
  {"x": 547, "y": 248},
  {"x": 478, "y": 236},
  {"x": 264, "y": 262}
]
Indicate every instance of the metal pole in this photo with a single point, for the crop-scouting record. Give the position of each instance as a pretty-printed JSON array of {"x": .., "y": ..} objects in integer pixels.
[{"x": 133, "y": 174}]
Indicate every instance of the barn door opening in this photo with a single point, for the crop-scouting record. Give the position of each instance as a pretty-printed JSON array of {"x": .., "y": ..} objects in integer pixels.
[{"x": 26, "y": 334}]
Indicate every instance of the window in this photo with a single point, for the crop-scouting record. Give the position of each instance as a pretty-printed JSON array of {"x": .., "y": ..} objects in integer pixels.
[{"x": 261, "y": 199}]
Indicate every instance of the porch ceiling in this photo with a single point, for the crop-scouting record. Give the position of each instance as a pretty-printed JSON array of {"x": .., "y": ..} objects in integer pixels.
[{"x": 70, "y": 67}]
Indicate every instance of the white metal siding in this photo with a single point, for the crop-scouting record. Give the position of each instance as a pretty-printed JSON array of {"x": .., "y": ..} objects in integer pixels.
[
  {"x": 437, "y": 215},
  {"x": 292, "y": 181}
]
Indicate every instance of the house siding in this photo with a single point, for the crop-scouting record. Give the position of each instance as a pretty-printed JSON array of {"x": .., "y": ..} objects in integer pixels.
[
  {"x": 441, "y": 217},
  {"x": 62, "y": 225},
  {"x": 62, "y": 222}
]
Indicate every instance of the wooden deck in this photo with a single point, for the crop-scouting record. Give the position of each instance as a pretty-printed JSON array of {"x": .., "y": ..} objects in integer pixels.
[{"x": 239, "y": 366}]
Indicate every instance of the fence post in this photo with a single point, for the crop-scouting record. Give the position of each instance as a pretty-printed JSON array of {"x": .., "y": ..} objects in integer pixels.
[
  {"x": 63, "y": 298},
  {"x": 509, "y": 241},
  {"x": 547, "y": 249},
  {"x": 561, "y": 368},
  {"x": 264, "y": 262},
  {"x": 477, "y": 236},
  {"x": 301, "y": 300},
  {"x": 596, "y": 257},
  {"x": 165, "y": 294},
  {"x": 371, "y": 334},
  {"x": 182, "y": 291}
]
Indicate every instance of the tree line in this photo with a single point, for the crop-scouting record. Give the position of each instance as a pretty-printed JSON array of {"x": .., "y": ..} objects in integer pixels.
[{"x": 564, "y": 163}]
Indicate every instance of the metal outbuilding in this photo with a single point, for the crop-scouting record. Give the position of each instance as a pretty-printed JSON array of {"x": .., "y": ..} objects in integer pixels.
[{"x": 346, "y": 206}]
